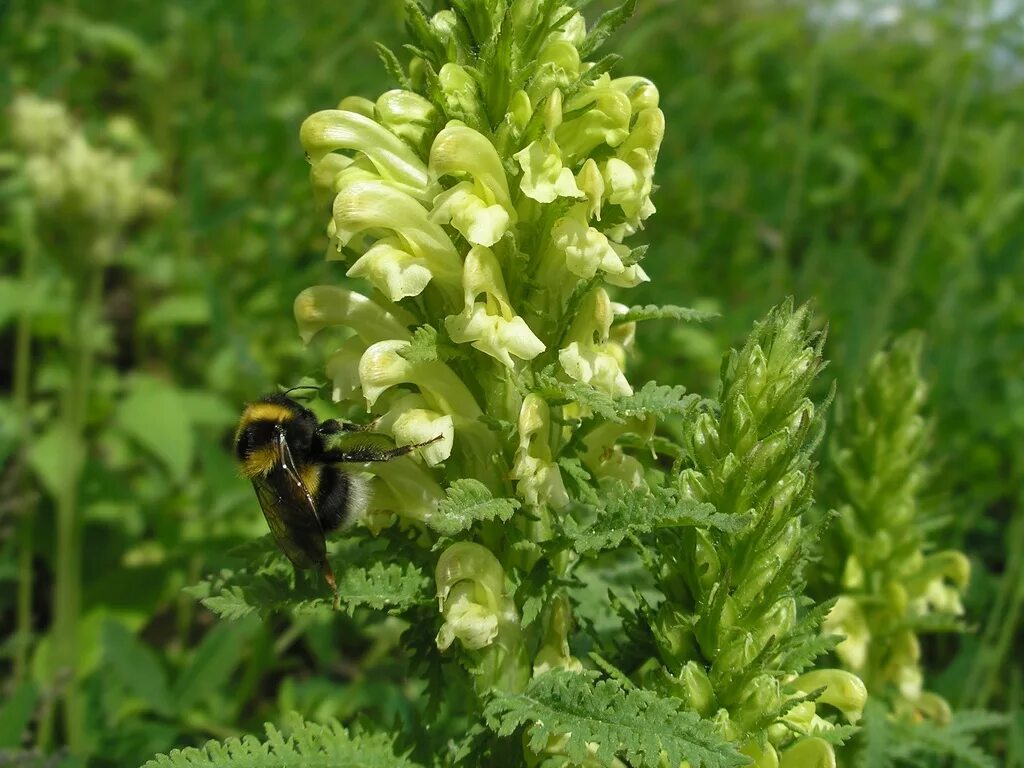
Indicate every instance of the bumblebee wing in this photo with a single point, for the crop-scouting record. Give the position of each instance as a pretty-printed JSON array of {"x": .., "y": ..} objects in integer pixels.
[{"x": 290, "y": 511}]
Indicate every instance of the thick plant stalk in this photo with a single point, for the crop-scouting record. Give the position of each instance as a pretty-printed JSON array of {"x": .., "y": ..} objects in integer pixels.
[
  {"x": 22, "y": 385},
  {"x": 67, "y": 588},
  {"x": 890, "y": 581}
]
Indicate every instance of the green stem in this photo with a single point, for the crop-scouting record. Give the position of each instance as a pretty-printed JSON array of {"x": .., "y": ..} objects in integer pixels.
[
  {"x": 22, "y": 383},
  {"x": 67, "y": 597}
]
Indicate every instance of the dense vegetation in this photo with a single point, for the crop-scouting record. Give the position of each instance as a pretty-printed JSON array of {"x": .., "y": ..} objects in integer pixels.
[{"x": 158, "y": 224}]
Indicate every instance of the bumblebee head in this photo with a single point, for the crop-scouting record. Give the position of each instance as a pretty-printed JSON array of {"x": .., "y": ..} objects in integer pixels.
[{"x": 258, "y": 428}]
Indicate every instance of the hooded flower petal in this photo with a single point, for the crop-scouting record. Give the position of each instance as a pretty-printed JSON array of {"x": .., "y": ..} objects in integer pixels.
[
  {"x": 585, "y": 248},
  {"x": 382, "y": 366},
  {"x": 392, "y": 271},
  {"x": 586, "y": 357},
  {"x": 373, "y": 205},
  {"x": 479, "y": 223},
  {"x": 544, "y": 177},
  {"x": 490, "y": 325},
  {"x": 459, "y": 150},
  {"x": 540, "y": 481},
  {"x": 334, "y": 129},
  {"x": 321, "y": 306},
  {"x": 343, "y": 369}
]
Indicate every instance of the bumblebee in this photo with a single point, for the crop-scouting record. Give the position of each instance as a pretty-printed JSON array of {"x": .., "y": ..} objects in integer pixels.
[{"x": 291, "y": 459}]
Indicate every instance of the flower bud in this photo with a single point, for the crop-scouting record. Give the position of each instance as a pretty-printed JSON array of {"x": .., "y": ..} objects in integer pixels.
[
  {"x": 460, "y": 92},
  {"x": 586, "y": 357},
  {"x": 359, "y": 105},
  {"x": 544, "y": 177},
  {"x": 642, "y": 93},
  {"x": 491, "y": 325},
  {"x": 393, "y": 271},
  {"x": 847, "y": 618},
  {"x": 700, "y": 695},
  {"x": 407, "y": 115},
  {"x": 591, "y": 182}
]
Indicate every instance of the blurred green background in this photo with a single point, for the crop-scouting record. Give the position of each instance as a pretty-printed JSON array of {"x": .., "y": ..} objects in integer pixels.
[{"x": 867, "y": 155}]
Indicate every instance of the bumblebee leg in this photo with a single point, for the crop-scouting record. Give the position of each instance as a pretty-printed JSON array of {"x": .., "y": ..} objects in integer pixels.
[
  {"x": 333, "y": 426},
  {"x": 361, "y": 454},
  {"x": 328, "y": 573}
]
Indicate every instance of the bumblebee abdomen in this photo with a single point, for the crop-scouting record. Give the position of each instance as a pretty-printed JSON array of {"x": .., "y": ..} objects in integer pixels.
[{"x": 340, "y": 497}]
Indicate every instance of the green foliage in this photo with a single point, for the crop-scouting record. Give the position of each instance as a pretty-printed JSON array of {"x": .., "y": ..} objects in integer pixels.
[
  {"x": 301, "y": 745},
  {"x": 467, "y": 501},
  {"x": 236, "y": 593},
  {"x": 589, "y": 718},
  {"x": 625, "y": 513},
  {"x": 894, "y": 743}
]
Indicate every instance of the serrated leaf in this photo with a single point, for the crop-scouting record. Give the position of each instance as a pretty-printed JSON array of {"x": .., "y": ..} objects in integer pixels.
[
  {"x": 606, "y": 24},
  {"x": 555, "y": 390},
  {"x": 928, "y": 738},
  {"x": 306, "y": 745},
  {"x": 599, "y": 719},
  {"x": 423, "y": 347},
  {"x": 136, "y": 666},
  {"x": 393, "y": 65},
  {"x": 629, "y": 511},
  {"x": 236, "y": 594},
  {"x": 666, "y": 312},
  {"x": 391, "y": 587},
  {"x": 658, "y": 400},
  {"x": 465, "y": 502}
]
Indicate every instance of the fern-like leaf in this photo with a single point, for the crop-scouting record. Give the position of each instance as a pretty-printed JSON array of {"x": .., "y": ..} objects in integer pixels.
[
  {"x": 236, "y": 594},
  {"x": 465, "y": 502},
  {"x": 307, "y": 745},
  {"x": 598, "y": 718},
  {"x": 629, "y": 511},
  {"x": 658, "y": 400},
  {"x": 556, "y": 391}
]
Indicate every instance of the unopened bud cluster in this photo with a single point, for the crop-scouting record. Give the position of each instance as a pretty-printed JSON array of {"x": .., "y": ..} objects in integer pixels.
[
  {"x": 889, "y": 582},
  {"x": 733, "y": 598}
]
